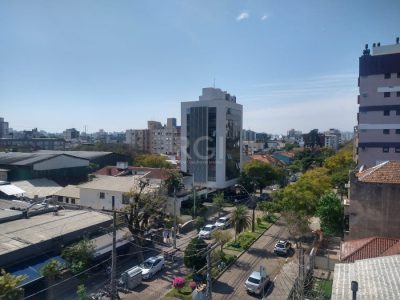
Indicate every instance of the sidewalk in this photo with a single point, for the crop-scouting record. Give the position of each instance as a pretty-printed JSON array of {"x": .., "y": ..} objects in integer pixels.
[{"x": 284, "y": 281}]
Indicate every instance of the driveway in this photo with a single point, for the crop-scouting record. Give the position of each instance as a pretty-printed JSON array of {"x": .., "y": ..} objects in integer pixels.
[{"x": 231, "y": 284}]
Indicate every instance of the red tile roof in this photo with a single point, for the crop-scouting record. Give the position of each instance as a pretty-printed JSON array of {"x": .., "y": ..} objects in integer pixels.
[
  {"x": 386, "y": 172},
  {"x": 154, "y": 173},
  {"x": 369, "y": 248}
]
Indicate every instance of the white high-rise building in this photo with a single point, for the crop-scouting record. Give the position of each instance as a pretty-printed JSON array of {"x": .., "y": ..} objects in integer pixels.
[{"x": 211, "y": 139}]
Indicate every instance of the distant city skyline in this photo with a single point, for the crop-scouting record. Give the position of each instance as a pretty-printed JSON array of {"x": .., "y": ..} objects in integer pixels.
[{"x": 115, "y": 65}]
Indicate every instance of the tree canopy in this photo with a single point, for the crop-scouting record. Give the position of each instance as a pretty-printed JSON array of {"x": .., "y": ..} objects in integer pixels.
[
  {"x": 173, "y": 182},
  {"x": 195, "y": 254},
  {"x": 218, "y": 202},
  {"x": 259, "y": 174},
  {"x": 330, "y": 212},
  {"x": 303, "y": 195},
  {"x": 152, "y": 161},
  {"x": 9, "y": 289},
  {"x": 79, "y": 255}
]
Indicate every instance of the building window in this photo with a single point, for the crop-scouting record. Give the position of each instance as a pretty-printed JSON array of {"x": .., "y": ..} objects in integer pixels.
[
  {"x": 60, "y": 198},
  {"x": 397, "y": 150},
  {"x": 72, "y": 201},
  {"x": 387, "y": 75},
  {"x": 398, "y": 74},
  {"x": 386, "y": 131},
  {"x": 125, "y": 199},
  {"x": 66, "y": 200},
  {"x": 397, "y": 131},
  {"x": 386, "y": 94},
  {"x": 102, "y": 195},
  {"x": 397, "y": 112},
  {"x": 386, "y": 112},
  {"x": 385, "y": 149},
  {"x": 397, "y": 94}
]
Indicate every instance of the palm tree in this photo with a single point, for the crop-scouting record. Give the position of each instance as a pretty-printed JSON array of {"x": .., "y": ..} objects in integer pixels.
[{"x": 240, "y": 219}]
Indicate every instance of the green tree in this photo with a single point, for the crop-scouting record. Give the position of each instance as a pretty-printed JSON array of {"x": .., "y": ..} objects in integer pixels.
[
  {"x": 222, "y": 237},
  {"x": 194, "y": 256},
  {"x": 173, "y": 182},
  {"x": 81, "y": 292},
  {"x": 240, "y": 219},
  {"x": 79, "y": 255},
  {"x": 146, "y": 207},
  {"x": 9, "y": 289},
  {"x": 303, "y": 195},
  {"x": 218, "y": 202},
  {"x": 247, "y": 182},
  {"x": 152, "y": 161},
  {"x": 261, "y": 173},
  {"x": 330, "y": 212},
  {"x": 51, "y": 271}
]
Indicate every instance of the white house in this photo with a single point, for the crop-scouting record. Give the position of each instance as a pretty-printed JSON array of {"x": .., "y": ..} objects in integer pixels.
[{"x": 98, "y": 194}]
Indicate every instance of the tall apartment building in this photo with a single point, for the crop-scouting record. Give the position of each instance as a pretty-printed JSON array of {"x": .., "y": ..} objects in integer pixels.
[
  {"x": 157, "y": 138},
  {"x": 333, "y": 139},
  {"x": 248, "y": 135},
  {"x": 3, "y": 128},
  {"x": 165, "y": 139},
  {"x": 138, "y": 139},
  {"x": 211, "y": 139},
  {"x": 71, "y": 134},
  {"x": 379, "y": 105}
]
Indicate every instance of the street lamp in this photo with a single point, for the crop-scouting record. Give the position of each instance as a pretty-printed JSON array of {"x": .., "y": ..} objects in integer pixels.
[{"x": 251, "y": 204}]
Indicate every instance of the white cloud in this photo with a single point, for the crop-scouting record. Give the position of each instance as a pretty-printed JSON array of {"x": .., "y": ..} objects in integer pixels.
[
  {"x": 264, "y": 17},
  {"x": 242, "y": 16}
]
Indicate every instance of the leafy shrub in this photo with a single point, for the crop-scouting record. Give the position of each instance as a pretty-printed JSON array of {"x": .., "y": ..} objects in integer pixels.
[{"x": 178, "y": 282}]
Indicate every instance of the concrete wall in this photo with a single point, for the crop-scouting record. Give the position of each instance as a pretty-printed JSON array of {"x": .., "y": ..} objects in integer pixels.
[
  {"x": 374, "y": 209},
  {"x": 91, "y": 198},
  {"x": 374, "y": 156}
]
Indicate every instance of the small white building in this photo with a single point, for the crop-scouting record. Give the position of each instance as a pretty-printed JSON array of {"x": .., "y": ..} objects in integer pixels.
[{"x": 98, "y": 194}]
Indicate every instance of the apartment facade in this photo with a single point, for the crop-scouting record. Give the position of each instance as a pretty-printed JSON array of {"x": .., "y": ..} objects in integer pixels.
[
  {"x": 211, "y": 138},
  {"x": 3, "y": 128},
  {"x": 378, "y": 132},
  {"x": 138, "y": 139}
]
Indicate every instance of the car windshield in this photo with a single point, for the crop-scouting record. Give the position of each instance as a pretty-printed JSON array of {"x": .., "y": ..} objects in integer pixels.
[
  {"x": 207, "y": 228},
  {"x": 280, "y": 245},
  {"x": 254, "y": 280},
  {"x": 146, "y": 265},
  {"x": 221, "y": 220}
]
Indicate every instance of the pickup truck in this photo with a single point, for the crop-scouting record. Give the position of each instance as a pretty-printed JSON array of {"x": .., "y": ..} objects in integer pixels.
[{"x": 257, "y": 282}]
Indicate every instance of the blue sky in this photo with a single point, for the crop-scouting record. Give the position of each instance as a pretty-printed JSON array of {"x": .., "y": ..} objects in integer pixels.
[{"x": 116, "y": 64}]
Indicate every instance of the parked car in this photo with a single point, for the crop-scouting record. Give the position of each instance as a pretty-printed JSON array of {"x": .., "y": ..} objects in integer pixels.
[
  {"x": 223, "y": 222},
  {"x": 256, "y": 282},
  {"x": 282, "y": 247},
  {"x": 152, "y": 265},
  {"x": 206, "y": 231}
]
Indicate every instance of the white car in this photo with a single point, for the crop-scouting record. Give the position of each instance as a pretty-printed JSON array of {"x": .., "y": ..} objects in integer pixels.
[
  {"x": 282, "y": 247},
  {"x": 256, "y": 282},
  {"x": 223, "y": 222},
  {"x": 206, "y": 231},
  {"x": 151, "y": 266}
]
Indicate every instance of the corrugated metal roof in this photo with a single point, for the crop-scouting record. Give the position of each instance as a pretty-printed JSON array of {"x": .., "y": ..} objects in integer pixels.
[
  {"x": 42, "y": 187},
  {"x": 10, "y": 189},
  {"x": 71, "y": 191},
  {"x": 81, "y": 154},
  {"x": 117, "y": 184}
]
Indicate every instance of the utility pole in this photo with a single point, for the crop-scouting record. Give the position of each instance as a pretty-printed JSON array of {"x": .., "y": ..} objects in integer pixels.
[
  {"x": 114, "y": 295},
  {"x": 194, "y": 197},
  {"x": 209, "y": 278},
  {"x": 174, "y": 232},
  {"x": 301, "y": 273}
]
